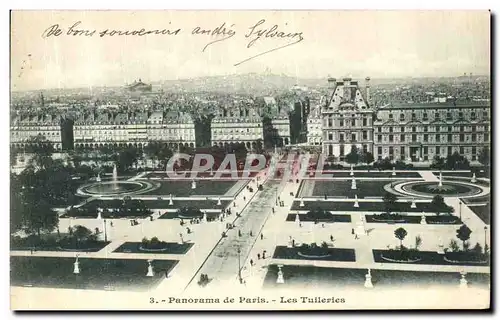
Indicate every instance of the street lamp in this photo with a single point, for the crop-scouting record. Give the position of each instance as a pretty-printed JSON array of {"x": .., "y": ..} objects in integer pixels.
[
  {"x": 460, "y": 208},
  {"x": 105, "y": 233},
  {"x": 239, "y": 266},
  {"x": 485, "y": 228}
]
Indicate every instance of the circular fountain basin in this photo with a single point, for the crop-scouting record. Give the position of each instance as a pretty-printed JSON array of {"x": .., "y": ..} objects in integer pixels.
[{"x": 110, "y": 188}]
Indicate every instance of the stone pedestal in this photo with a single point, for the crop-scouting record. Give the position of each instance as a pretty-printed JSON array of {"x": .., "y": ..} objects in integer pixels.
[
  {"x": 99, "y": 213},
  {"x": 440, "y": 179},
  {"x": 193, "y": 184},
  {"x": 422, "y": 220},
  {"x": 171, "y": 201},
  {"x": 219, "y": 202},
  {"x": 181, "y": 239},
  {"x": 204, "y": 217},
  {"x": 290, "y": 243},
  {"x": 352, "y": 171},
  {"x": 413, "y": 204},
  {"x": 440, "y": 249},
  {"x": 356, "y": 204},
  {"x": 280, "y": 278},
  {"x": 463, "y": 281},
  {"x": 393, "y": 171},
  {"x": 150, "y": 270},
  {"x": 353, "y": 184},
  {"x": 98, "y": 179},
  {"x": 76, "y": 267},
  {"x": 473, "y": 180},
  {"x": 301, "y": 202},
  {"x": 297, "y": 219},
  {"x": 368, "y": 280}
]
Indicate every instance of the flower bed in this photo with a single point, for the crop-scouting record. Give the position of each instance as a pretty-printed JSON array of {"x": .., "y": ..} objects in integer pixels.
[
  {"x": 401, "y": 256},
  {"x": 466, "y": 257},
  {"x": 446, "y": 219}
]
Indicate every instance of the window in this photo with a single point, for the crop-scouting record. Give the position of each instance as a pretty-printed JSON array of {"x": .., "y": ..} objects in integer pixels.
[
  {"x": 365, "y": 122},
  {"x": 365, "y": 135},
  {"x": 462, "y": 128},
  {"x": 365, "y": 148},
  {"x": 341, "y": 150},
  {"x": 448, "y": 116},
  {"x": 426, "y": 137},
  {"x": 330, "y": 122},
  {"x": 426, "y": 129},
  {"x": 460, "y": 115},
  {"x": 379, "y": 129},
  {"x": 426, "y": 150},
  {"x": 485, "y": 137},
  {"x": 391, "y": 138},
  {"x": 461, "y": 150},
  {"x": 341, "y": 123},
  {"x": 473, "y": 116},
  {"x": 402, "y": 117},
  {"x": 390, "y": 116},
  {"x": 379, "y": 152},
  {"x": 414, "y": 138},
  {"x": 473, "y": 150},
  {"x": 379, "y": 138},
  {"x": 402, "y": 138},
  {"x": 390, "y": 129},
  {"x": 341, "y": 137},
  {"x": 461, "y": 137},
  {"x": 450, "y": 150},
  {"x": 330, "y": 136},
  {"x": 402, "y": 129},
  {"x": 485, "y": 114},
  {"x": 450, "y": 129},
  {"x": 436, "y": 115},
  {"x": 353, "y": 137},
  {"x": 473, "y": 137},
  {"x": 413, "y": 116},
  {"x": 402, "y": 152},
  {"x": 449, "y": 138},
  {"x": 425, "y": 116},
  {"x": 438, "y": 137},
  {"x": 413, "y": 129},
  {"x": 437, "y": 150}
]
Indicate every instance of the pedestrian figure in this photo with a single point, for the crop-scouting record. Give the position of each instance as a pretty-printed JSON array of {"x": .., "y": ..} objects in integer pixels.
[
  {"x": 244, "y": 198},
  {"x": 322, "y": 225},
  {"x": 352, "y": 231},
  {"x": 261, "y": 236},
  {"x": 273, "y": 209},
  {"x": 331, "y": 238},
  {"x": 356, "y": 236},
  {"x": 251, "y": 262},
  {"x": 251, "y": 234},
  {"x": 300, "y": 224},
  {"x": 239, "y": 233},
  {"x": 264, "y": 254},
  {"x": 258, "y": 256}
]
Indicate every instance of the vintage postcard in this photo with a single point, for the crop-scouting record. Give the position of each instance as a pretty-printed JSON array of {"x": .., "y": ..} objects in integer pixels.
[{"x": 250, "y": 160}]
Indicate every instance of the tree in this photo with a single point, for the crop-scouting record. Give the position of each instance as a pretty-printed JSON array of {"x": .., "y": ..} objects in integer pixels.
[
  {"x": 484, "y": 156},
  {"x": 353, "y": 156},
  {"x": 463, "y": 233},
  {"x": 438, "y": 163},
  {"x": 457, "y": 162},
  {"x": 38, "y": 216},
  {"x": 438, "y": 205},
  {"x": 389, "y": 202},
  {"x": 81, "y": 234},
  {"x": 42, "y": 151},
  {"x": 13, "y": 156},
  {"x": 366, "y": 157},
  {"x": 400, "y": 233}
]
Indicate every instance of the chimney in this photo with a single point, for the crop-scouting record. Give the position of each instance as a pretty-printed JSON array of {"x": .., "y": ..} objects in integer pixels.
[
  {"x": 332, "y": 82},
  {"x": 367, "y": 84}
]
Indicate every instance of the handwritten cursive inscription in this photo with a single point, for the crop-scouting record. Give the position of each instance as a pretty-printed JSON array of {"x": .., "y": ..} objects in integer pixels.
[
  {"x": 257, "y": 32},
  {"x": 221, "y": 30}
]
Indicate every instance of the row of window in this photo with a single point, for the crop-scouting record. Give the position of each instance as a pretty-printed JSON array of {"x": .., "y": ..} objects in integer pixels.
[
  {"x": 433, "y": 128},
  {"x": 439, "y": 116},
  {"x": 435, "y": 138},
  {"x": 437, "y": 150}
]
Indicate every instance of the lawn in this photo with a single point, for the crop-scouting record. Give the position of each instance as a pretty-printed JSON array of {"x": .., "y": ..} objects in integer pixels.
[
  {"x": 173, "y": 215},
  {"x": 334, "y": 218},
  {"x": 163, "y": 175},
  {"x": 182, "y": 188},
  {"x": 283, "y": 252},
  {"x": 342, "y": 188},
  {"x": 340, "y": 278},
  {"x": 427, "y": 257},
  {"x": 96, "y": 274},
  {"x": 22, "y": 244},
  {"x": 483, "y": 212},
  {"x": 345, "y": 206},
  {"x": 371, "y": 174},
  {"x": 170, "y": 248}
]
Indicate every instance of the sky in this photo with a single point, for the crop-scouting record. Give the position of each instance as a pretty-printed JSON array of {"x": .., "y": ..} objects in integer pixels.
[{"x": 379, "y": 44}]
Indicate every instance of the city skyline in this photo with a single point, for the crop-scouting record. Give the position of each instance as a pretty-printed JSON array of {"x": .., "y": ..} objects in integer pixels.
[{"x": 358, "y": 44}]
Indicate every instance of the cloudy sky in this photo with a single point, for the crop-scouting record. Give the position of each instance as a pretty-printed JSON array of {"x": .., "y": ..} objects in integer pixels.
[{"x": 338, "y": 43}]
